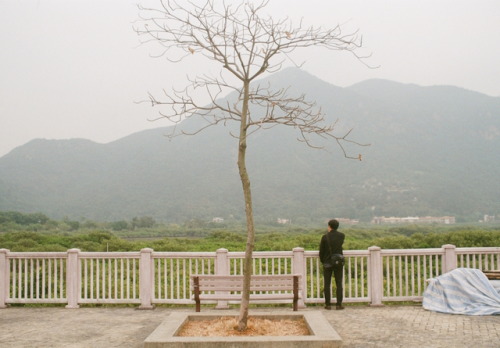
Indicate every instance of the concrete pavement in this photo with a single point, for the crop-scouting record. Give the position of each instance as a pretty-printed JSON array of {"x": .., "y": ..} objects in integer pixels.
[{"x": 359, "y": 326}]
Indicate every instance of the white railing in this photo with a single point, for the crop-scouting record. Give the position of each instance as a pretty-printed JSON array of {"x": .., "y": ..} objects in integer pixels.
[
  {"x": 35, "y": 277},
  {"x": 108, "y": 277},
  {"x": 147, "y": 277}
]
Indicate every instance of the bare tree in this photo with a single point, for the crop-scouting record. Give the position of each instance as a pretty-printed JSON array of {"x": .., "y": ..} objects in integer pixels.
[{"x": 245, "y": 44}]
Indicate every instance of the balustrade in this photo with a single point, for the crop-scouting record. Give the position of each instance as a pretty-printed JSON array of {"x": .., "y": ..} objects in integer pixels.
[{"x": 148, "y": 277}]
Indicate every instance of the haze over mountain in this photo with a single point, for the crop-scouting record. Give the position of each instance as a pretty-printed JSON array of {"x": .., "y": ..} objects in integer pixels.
[{"x": 434, "y": 151}]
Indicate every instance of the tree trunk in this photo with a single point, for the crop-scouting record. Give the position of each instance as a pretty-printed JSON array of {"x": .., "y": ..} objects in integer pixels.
[{"x": 245, "y": 181}]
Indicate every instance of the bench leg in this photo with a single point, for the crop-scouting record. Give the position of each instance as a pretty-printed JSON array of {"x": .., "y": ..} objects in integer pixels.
[
  {"x": 295, "y": 293},
  {"x": 196, "y": 288}
]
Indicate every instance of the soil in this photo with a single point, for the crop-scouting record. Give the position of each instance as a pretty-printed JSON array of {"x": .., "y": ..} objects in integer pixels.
[{"x": 226, "y": 326}]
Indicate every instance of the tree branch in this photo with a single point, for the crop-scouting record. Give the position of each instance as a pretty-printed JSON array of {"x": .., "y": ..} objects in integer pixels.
[{"x": 247, "y": 44}]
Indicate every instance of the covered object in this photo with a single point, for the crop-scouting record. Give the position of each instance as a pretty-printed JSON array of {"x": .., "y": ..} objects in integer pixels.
[{"x": 463, "y": 291}]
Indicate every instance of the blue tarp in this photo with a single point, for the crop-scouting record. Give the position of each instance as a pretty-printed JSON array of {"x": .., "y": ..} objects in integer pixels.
[{"x": 462, "y": 291}]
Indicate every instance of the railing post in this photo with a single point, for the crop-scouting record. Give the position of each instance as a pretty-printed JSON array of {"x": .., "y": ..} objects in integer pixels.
[
  {"x": 376, "y": 284},
  {"x": 73, "y": 278},
  {"x": 4, "y": 277},
  {"x": 146, "y": 278},
  {"x": 450, "y": 258},
  {"x": 298, "y": 267},
  {"x": 222, "y": 268}
]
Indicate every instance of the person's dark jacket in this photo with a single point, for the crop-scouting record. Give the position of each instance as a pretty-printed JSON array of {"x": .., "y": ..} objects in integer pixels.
[{"x": 336, "y": 239}]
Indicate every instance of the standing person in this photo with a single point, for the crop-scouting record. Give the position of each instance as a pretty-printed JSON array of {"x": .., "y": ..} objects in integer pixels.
[{"x": 331, "y": 243}]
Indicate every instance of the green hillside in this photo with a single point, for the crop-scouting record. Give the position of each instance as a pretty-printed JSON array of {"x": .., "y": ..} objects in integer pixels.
[{"x": 434, "y": 151}]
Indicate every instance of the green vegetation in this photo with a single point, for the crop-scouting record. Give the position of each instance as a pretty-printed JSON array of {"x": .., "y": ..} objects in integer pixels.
[{"x": 36, "y": 232}]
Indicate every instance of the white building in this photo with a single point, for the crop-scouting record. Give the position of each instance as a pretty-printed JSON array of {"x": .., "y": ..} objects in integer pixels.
[{"x": 446, "y": 220}]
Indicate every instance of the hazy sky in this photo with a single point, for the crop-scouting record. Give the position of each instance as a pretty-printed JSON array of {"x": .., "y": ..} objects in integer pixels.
[{"x": 74, "y": 69}]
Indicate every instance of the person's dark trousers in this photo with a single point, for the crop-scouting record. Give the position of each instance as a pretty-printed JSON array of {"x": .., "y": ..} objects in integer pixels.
[
  {"x": 327, "y": 281},
  {"x": 337, "y": 272}
]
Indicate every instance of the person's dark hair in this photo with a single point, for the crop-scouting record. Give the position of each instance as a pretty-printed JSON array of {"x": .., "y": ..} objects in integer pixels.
[{"x": 334, "y": 224}]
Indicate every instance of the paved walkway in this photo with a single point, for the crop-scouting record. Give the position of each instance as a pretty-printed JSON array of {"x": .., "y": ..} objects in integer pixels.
[{"x": 359, "y": 326}]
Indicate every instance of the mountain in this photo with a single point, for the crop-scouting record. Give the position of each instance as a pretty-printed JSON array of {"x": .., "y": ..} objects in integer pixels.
[{"x": 433, "y": 151}]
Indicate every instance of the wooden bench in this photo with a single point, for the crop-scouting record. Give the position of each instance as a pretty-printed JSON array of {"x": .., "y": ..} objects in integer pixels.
[
  {"x": 230, "y": 287},
  {"x": 492, "y": 275}
]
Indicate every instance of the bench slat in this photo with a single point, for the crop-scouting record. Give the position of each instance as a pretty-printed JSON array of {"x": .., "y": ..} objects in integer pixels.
[
  {"x": 239, "y": 287},
  {"x": 255, "y": 297}
]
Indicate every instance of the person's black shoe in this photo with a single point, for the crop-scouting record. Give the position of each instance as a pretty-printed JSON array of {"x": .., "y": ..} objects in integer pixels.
[
  {"x": 328, "y": 307},
  {"x": 339, "y": 307}
]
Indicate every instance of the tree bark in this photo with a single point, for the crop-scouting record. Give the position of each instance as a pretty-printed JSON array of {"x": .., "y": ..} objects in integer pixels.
[{"x": 245, "y": 181}]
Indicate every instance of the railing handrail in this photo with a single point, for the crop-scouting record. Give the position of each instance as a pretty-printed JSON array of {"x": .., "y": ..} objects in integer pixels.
[
  {"x": 109, "y": 255},
  {"x": 147, "y": 276},
  {"x": 486, "y": 250},
  {"x": 38, "y": 255},
  {"x": 315, "y": 253},
  {"x": 184, "y": 254}
]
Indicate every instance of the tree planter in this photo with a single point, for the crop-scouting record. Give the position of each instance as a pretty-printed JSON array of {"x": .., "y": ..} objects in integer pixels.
[{"x": 321, "y": 333}]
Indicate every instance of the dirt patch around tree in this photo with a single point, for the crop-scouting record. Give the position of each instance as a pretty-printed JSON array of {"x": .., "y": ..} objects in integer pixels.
[{"x": 226, "y": 326}]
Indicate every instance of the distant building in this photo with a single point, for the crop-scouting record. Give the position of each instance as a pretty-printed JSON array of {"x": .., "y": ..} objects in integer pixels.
[
  {"x": 446, "y": 220},
  {"x": 344, "y": 221},
  {"x": 488, "y": 218},
  {"x": 283, "y": 221},
  {"x": 218, "y": 220}
]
